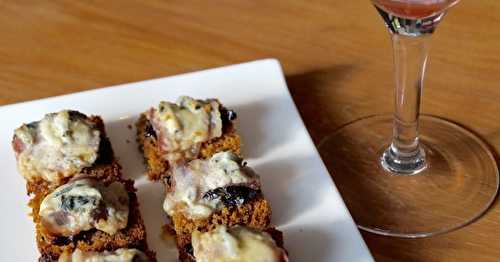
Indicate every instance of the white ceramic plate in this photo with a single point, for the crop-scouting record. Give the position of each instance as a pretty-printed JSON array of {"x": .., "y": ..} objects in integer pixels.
[{"x": 306, "y": 204}]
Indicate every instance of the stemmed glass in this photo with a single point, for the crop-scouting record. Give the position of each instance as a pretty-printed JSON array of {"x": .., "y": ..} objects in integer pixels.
[{"x": 434, "y": 176}]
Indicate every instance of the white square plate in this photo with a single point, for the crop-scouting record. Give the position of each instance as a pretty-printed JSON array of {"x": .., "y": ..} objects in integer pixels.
[{"x": 306, "y": 204}]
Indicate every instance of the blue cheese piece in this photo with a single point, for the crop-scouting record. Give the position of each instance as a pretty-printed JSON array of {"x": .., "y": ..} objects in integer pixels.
[
  {"x": 119, "y": 255},
  {"x": 85, "y": 204},
  {"x": 58, "y": 146},
  {"x": 235, "y": 244},
  {"x": 194, "y": 180},
  {"x": 183, "y": 126}
]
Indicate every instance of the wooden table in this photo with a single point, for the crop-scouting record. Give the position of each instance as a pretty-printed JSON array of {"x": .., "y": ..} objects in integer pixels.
[{"x": 336, "y": 55}]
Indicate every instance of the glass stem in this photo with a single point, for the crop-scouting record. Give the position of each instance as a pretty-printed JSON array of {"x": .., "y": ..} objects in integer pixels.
[{"x": 405, "y": 155}]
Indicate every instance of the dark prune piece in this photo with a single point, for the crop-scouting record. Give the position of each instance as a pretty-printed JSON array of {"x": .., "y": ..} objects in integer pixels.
[
  {"x": 189, "y": 249},
  {"x": 85, "y": 236},
  {"x": 232, "y": 195},
  {"x": 231, "y": 115},
  {"x": 238, "y": 195},
  {"x": 75, "y": 115},
  {"x": 168, "y": 181},
  {"x": 105, "y": 152},
  {"x": 61, "y": 241},
  {"x": 213, "y": 194},
  {"x": 227, "y": 115},
  {"x": 48, "y": 257},
  {"x": 33, "y": 125},
  {"x": 149, "y": 131}
]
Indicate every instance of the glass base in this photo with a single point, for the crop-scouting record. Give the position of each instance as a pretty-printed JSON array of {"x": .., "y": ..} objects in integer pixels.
[
  {"x": 457, "y": 186},
  {"x": 395, "y": 163}
]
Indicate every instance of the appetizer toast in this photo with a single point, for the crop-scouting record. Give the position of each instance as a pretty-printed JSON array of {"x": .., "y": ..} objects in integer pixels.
[
  {"x": 194, "y": 149},
  {"x": 81, "y": 206},
  {"x": 196, "y": 140},
  {"x": 84, "y": 210}
]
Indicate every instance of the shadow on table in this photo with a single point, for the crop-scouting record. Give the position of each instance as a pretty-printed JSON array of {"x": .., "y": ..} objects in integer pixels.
[
  {"x": 254, "y": 126},
  {"x": 284, "y": 184},
  {"x": 314, "y": 93}
]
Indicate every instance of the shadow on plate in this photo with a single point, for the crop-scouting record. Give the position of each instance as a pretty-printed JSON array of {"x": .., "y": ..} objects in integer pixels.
[
  {"x": 122, "y": 134},
  {"x": 308, "y": 243},
  {"x": 151, "y": 196},
  {"x": 253, "y": 124},
  {"x": 284, "y": 185}
]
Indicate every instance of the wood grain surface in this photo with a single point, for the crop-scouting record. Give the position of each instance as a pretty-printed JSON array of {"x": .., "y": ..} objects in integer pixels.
[{"x": 336, "y": 55}]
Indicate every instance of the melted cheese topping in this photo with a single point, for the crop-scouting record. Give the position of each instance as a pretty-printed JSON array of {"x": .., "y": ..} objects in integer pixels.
[
  {"x": 59, "y": 145},
  {"x": 193, "y": 180},
  {"x": 182, "y": 127},
  {"x": 119, "y": 255},
  {"x": 85, "y": 204},
  {"x": 235, "y": 244}
]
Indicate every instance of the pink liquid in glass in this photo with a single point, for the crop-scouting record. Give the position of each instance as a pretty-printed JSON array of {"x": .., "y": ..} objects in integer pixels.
[{"x": 415, "y": 9}]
